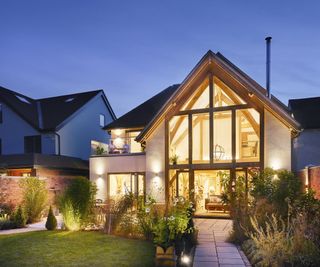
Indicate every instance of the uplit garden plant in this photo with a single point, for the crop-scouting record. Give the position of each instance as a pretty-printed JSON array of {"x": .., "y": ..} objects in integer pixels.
[
  {"x": 77, "y": 204},
  {"x": 35, "y": 196}
]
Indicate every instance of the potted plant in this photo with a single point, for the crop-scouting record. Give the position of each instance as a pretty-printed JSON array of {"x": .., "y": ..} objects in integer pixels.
[
  {"x": 174, "y": 159},
  {"x": 165, "y": 253},
  {"x": 99, "y": 150}
]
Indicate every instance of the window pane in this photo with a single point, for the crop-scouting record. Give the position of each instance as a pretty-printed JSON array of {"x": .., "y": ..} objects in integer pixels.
[
  {"x": 222, "y": 136},
  {"x": 120, "y": 184},
  {"x": 225, "y": 96},
  {"x": 247, "y": 135},
  {"x": 134, "y": 147},
  {"x": 200, "y": 138},
  {"x": 178, "y": 140},
  {"x": 209, "y": 185},
  {"x": 102, "y": 120},
  {"x": 141, "y": 184},
  {"x": 172, "y": 184},
  {"x": 183, "y": 184},
  {"x": 200, "y": 99}
]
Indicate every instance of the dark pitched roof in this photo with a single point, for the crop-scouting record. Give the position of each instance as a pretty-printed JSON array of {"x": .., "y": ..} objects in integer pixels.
[
  {"x": 47, "y": 114},
  {"x": 43, "y": 161},
  {"x": 55, "y": 110},
  {"x": 140, "y": 116},
  {"x": 306, "y": 111}
]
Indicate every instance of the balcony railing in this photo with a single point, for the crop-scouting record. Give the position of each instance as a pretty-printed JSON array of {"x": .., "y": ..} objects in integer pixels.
[{"x": 116, "y": 146}]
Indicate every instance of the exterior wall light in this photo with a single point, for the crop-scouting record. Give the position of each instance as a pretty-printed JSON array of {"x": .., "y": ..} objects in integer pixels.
[{"x": 250, "y": 94}]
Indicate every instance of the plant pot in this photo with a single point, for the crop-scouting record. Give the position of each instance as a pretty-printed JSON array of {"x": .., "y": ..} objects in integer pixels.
[{"x": 165, "y": 258}]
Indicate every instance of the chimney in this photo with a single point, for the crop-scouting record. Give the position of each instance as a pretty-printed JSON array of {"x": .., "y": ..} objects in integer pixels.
[{"x": 268, "y": 46}]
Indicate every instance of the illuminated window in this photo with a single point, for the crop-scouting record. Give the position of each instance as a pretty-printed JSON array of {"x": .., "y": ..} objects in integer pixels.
[
  {"x": 178, "y": 139},
  {"x": 199, "y": 99},
  {"x": 224, "y": 96},
  {"x": 135, "y": 147},
  {"x": 248, "y": 135},
  {"x": 200, "y": 138},
  {"x": 122, "y": 184},
  {"x": 222, "y": 139}
]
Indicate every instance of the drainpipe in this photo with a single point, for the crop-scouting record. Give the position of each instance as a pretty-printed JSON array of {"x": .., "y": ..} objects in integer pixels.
[{"x": 268, "y": 64}]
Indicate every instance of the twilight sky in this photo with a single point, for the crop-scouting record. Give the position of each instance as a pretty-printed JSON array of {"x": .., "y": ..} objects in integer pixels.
[{"x": 134, "y": 49}]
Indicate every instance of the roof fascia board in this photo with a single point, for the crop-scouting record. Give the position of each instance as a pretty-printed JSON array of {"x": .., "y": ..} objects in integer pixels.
[{"x": 104, "y": 97}]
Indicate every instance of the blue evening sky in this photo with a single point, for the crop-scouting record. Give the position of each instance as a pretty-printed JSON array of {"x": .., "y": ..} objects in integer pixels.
[{"x": 134, "y": 49}]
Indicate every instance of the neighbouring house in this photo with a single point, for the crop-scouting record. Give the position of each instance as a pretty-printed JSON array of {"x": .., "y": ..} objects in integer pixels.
[
  {"x": 218, "y": 124},
  {"x": 50, "y": 137},
  {"x": 306, "y": 146}
]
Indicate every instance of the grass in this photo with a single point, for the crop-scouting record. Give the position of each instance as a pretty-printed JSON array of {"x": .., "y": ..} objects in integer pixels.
[{"x": 61, "y": 248}]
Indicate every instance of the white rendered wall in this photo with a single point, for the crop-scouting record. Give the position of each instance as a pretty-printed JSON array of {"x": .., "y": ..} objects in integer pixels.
[
  {"x": 101, "y": 166},
  {"x": 155, "y": 164},
  {"x": 277, "y": 143}
]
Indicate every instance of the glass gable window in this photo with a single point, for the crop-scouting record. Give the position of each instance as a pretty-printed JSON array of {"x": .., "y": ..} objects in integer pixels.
[
  {"x": 248, "y": 135},
  {"x": 200, "y": 138},
  {"x": 222, "y": 131},
  {"x": 224, "y": 96},
  {"x": 178, "y": 139},
  {"x": 199, "y": 99}
]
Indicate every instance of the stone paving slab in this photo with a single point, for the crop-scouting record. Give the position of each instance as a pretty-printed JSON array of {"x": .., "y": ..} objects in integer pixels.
[{"x": 213, "y": 249}]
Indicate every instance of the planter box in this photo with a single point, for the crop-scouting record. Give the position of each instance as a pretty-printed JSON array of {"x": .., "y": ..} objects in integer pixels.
[{"x": 165, "y": 258}]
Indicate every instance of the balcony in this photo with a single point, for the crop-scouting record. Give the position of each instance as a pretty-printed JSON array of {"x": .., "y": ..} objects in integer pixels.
[{"x": 116, "y": 146}]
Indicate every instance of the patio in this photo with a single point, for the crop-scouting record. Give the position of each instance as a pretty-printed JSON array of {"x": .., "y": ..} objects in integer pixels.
[{"x": 213, "y": 250}]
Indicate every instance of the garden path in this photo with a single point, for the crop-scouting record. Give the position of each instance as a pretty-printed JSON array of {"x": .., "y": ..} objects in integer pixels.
[
  {"x": 213, "y": 249},
  {"x": 39, "y": 226}
]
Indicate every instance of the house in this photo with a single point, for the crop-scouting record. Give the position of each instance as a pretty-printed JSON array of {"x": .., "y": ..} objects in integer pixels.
[
  {"x": 51, "y": 135},
  {"x": 306, "y": 144},
  {"x": 306, "y": 152},
  {"x": 217, "y": 125}
]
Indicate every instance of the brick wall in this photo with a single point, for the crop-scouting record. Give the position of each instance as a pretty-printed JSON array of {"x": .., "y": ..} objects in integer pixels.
[
  {"x": 311, "y": 179},
  {"x": 11, "y": 193}
]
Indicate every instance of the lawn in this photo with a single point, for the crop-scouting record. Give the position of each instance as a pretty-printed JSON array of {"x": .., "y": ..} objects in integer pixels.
[{"x": 59, "y": 248}]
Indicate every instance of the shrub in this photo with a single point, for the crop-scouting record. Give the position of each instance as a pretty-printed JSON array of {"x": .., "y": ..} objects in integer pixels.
[
  {"x": 71, "y": 217},
  {"x": 117, "y": 211},
  {"x": 274, "y": 244},
  {"x": 34, "y": 198},
  {"x": 51, "y": 223},
  {"x": 77, "y": 203},
  {"x": 19, "y": 218},
  {"x": 6, "y": 224}
]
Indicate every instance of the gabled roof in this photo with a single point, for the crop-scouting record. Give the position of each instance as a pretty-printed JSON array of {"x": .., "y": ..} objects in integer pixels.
[
  {"x": 140, "y": 116},
  {"x": 306, "y": 111},
  {"x": 47, "y": 114},
  {"x": 207, "y": 64}
]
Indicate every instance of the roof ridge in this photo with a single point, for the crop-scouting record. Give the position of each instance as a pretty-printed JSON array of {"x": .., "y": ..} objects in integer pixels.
[{"x": 69, "y": 95}]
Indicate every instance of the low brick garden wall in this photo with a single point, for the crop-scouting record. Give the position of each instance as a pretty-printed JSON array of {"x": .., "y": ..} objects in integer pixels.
[
  {"x": 11, "y": 193},
  {"x": 310, "y": 177}
]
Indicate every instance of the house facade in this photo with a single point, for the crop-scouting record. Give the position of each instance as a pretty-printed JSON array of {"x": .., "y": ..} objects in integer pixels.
[
  {"x": 217, "y": 125},
  {"x": 39, "y": 133}
]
